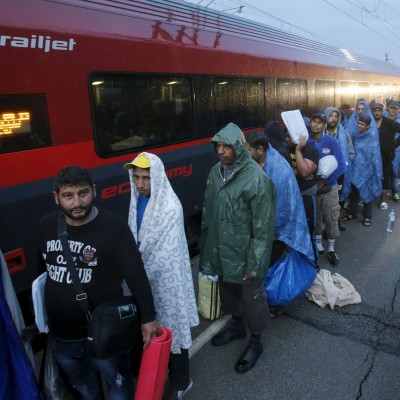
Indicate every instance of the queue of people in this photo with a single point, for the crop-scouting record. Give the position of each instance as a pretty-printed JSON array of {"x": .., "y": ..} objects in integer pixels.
[{"x": 264, "y": 196}]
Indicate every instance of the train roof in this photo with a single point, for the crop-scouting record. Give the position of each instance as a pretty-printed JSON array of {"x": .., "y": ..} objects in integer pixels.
[{"x": 261, "y": 40}]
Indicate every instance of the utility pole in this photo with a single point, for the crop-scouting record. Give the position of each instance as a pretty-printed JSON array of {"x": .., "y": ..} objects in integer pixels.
[{"x": 387, "y": 59}]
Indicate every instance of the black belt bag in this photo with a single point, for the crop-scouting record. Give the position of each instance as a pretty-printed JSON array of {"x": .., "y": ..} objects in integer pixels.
[
  {"x": 324, "y": 189},
  {"x": 114, "y": 326}
]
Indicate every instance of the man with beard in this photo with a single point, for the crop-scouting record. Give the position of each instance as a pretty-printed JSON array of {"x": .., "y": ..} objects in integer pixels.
[
  {"x": 105, "y": 254},
  {"x": 328, "y": 207},
  {"x": 387, "y": 129},
  {"x": 335, "y": 129},
  {"x": 236, "y": 240}
]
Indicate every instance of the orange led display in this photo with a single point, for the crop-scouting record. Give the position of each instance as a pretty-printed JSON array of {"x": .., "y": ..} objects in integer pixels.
[{"x": 13, "y": 123}]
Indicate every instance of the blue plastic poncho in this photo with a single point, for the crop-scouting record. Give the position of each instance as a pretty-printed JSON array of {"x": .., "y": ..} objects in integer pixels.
[
  {"x": 17, "y": 379},
  {"x": 290, "y": 221},
  {"x": 367, "y": 164},
  {"x": 352, "y": 121}
]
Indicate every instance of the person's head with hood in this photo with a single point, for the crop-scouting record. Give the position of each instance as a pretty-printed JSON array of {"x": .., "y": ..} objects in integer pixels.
[
  {"x": 230, "y": 146},
  {"x": 333, "y": 118},
  {"x": 361, "y": 106},
  {"x": 364, "y": 122},
  {"x": 274, "y": 132}
]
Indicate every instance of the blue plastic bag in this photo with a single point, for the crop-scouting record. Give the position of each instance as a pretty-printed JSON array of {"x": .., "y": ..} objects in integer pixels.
[{"x": 289, "y": 277}]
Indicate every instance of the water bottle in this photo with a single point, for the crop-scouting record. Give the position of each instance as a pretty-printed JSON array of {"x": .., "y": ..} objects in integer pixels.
[{"x": 391, "y": 219}]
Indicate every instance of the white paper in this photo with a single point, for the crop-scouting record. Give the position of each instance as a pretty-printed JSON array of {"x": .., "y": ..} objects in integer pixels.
[{"x": 295, "y": 124}]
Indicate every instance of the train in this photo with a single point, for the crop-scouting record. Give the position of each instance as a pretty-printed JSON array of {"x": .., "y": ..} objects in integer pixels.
[{"x": 95, "y": 82}]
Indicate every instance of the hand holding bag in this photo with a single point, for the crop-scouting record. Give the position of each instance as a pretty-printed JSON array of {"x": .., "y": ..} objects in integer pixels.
[
  {"x": 289, "y": 277},
  {"x": 53, "y": 385},
  {"x": 114, "y": 326}
]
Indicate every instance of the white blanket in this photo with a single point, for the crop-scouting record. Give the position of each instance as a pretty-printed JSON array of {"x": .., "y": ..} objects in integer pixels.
[
  {"x": 332, "y": 289},
  {"x": 165, "y": 255}
]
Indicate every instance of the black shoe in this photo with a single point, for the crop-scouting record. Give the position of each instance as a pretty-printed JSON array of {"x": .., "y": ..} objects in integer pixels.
[
  {"x": 342, "y": 225},
  {"x": 235, "y": 330},
  {"x": 249, "y": 357},
  {"x": 333, "y": 258},
  {"x": 173, "y": 394}
]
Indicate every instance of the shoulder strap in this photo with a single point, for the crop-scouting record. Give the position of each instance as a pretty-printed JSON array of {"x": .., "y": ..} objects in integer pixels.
[{"x": 81, "y": 296}]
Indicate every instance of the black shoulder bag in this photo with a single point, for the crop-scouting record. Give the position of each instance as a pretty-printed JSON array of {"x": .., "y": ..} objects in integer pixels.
[{"x": 114, "y": 326}]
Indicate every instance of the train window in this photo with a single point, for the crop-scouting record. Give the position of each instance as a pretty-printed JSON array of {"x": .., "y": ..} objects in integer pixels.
[
  {"x": 239, "y": 100},
  {"x": 393, "y": 91},
  {"x": 24, "y": 123},
  {"x": 203, "y": 106},
  {"x": 291, "y": 94},
  {"x": 271, "y": 104},
  {"x": 324, "y": 94},
  {"x": 362, "y": 89},
  {"x": 377, "y": 93},
  {"x": 136, "y": 111},
  {"x": 386, "y": 92},
  {"x": 347, "y": 94}
]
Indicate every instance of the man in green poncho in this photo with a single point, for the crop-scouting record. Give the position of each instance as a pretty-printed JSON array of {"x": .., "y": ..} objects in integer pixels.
[{"x": 236, "y": 240}]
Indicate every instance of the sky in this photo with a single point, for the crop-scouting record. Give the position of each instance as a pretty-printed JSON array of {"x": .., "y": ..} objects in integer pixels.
[{"x": 368, "y": 27}]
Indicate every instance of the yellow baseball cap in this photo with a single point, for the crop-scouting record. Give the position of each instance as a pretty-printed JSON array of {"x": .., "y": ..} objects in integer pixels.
[{"x": 141, "y": 161}]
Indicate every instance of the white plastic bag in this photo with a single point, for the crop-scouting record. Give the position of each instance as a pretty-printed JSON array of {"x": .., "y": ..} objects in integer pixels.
[
  {"x": 38, "y": 302},
  {"x": 327, "y": 166}
]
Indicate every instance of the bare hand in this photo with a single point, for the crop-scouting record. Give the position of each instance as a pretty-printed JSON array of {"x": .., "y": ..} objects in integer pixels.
[
  {"x": 149, "y": 331},
  {"x": 248, "y": 277},
  {"x": 302, "y": 143}
]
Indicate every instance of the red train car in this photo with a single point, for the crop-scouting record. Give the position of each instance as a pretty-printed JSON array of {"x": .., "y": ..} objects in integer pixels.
[{"x": 94, "y": 82}]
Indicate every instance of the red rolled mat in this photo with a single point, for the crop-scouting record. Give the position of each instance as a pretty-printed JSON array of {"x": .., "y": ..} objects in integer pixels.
[{"x": 153, "y": 367}]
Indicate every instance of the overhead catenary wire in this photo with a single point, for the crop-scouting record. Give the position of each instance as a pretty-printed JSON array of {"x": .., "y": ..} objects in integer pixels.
[{"x": 258, "y": 13}]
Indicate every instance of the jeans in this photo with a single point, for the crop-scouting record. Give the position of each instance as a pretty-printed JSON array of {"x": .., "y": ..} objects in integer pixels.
[{"x": 83, "y": 372}]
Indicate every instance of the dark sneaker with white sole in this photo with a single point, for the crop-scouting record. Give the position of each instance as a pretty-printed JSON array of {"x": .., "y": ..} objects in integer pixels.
[
  {"x": 178, "y": 394},
  {"x": 333, "y": 258}
]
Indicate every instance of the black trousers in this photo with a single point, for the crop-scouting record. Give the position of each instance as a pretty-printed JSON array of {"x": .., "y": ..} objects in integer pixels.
[
  {"x": 247, "y": 300},
  {"x": 179, "y": 370},
  {"x": 309, "y": 202},
  {"x": 354, "y": 199}
]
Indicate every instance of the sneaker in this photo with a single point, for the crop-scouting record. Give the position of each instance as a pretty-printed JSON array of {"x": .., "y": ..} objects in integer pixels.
[
  {"x": 383, "y": 206},
  {"x": 177, "y": 394},
  {"x": 333, "y": 259},
  {"x": 181, "y": 393},
  {"x": 396, "y": 197}
]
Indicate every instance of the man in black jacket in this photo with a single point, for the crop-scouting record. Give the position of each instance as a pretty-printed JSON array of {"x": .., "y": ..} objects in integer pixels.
[
  {"x": 105, "y": 254},
  {"x": 387, "y": 129}
]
